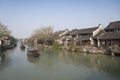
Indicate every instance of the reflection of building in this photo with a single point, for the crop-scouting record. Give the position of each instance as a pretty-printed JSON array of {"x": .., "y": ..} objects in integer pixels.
[{"x": 2, "y": 57}]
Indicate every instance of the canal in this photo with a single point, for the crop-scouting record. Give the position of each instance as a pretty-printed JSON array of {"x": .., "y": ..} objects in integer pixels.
[{"x": 57, "y": 65}]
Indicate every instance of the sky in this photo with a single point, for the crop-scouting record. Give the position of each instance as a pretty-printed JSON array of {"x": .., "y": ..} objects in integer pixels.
[{"x": 22, "y": 17}]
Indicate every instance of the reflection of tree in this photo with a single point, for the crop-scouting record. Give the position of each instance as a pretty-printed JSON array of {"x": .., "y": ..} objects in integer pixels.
[
  {"x": 51, "y": 58},
  {"x": 96, "y": 61},
  {"x": 5, "y": 60}
]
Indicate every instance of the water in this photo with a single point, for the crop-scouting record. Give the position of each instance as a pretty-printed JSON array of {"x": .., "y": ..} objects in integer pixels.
[{"x": 57, "y": 65}]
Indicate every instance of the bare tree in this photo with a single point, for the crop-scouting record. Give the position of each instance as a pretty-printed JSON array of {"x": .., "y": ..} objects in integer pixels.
[
  {"x": 43, "y": 33},
  {"x": 4, "y": 30}
]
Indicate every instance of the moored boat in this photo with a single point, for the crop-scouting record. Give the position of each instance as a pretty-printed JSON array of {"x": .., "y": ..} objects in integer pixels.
[
  {"x": 33, "y": 52},
  {"x": 22, "y": 46}
]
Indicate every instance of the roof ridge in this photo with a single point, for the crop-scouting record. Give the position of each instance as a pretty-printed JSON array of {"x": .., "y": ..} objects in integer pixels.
[
  {"x": 114, "y": 21},
  {"x": 88, "y": 28}
]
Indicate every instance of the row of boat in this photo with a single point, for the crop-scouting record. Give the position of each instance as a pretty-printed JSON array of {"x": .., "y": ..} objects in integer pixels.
[{"x": 31, "y": 51}]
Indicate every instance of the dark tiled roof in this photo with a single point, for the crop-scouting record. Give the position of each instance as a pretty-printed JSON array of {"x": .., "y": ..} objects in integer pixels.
[
  {"x": 98, "y": 34},
  {"x": 110, "y": 35},
  {"x": 56, "y": 34},
  {"x": 87, "y": 30},
  {"x": 83, "y": 38},
  {"x": 60, "y": 37},
  {"x": 73, "y": 32},
  {"x": 113, "y": 25}
]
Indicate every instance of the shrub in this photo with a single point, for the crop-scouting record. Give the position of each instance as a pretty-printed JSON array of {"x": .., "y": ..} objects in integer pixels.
[{"x": 57, "y": 46}]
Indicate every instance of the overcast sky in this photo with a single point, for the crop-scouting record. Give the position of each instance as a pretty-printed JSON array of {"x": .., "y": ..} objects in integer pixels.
[{"x": 24, "y": 16}]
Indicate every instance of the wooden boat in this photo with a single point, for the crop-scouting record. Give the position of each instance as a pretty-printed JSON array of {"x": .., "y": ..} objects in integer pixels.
[
  {"x": 33, "y": 52},
  {"x": 9, "y": 46},
  {"x": 22, "y": 46}
]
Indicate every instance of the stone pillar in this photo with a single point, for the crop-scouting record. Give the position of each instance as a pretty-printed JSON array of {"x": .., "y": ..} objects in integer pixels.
[
  {"x": 74, "y": 41},
  {"x": 66, "y": 41},
  {"x": 92, "y": 41},
  {"x": 0, "y": 42},
  {"x": 98, "y": 41}
]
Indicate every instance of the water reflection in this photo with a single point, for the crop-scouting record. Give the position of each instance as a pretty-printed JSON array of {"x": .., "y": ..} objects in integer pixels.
[
  {"x": 58, "y": 65},
  {"x": 52, "y": 59},
  {"x": 6, "y": 58},
  {"x": 5, "y": 61},
  {"x": 95, "y": 61},
  {"x": 33, "y": 59},
  {"x": 2, "y": 57}
]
